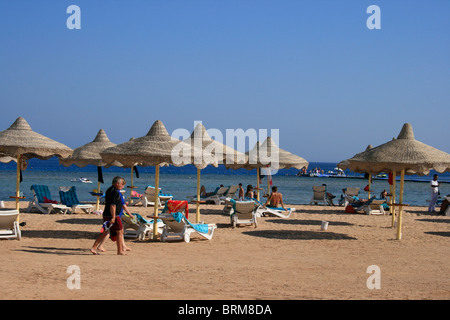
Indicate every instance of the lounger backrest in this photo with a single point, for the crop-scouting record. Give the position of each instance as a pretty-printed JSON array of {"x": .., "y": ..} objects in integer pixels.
[
  {"x": 132, "y": 223},
  {"x": 221, "y": 191},
  {"x": 177, "y": 206},
  {"x": 41, "y": 191},
  {"x": 231, "y": 192},
  {"x": 69, "y": 197},
  {"x": 150, "y": 191},
  {"x": 377, "y": 202},
  {"x": 319, "y": 192},
  {"x": 352, "y": 191},
  {"x": 244, "y": 209},
  {"x": 170, "y": 221},
  {"x": 7, "y": 220}
]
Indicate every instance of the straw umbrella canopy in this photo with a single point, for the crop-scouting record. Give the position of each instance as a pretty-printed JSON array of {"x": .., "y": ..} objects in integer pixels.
[
  {"x": 344, "y": 165},
  {"x": 153, "y": 149},
  {"x": 207, "y": 151},
  {"x": 22, "y": 143},
  {"x": 6, "y": 159},
  {"x": 89, "y": 154},
  {"x": 267, "y": 151},
  {"x": 404, "y": 154},
  {"x": 269, "y": 155}
]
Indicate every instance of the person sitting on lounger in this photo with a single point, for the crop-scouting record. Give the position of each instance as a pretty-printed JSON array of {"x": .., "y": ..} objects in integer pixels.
[
  {"x": 275, "y": 199},
  {"x": 250, "y": 193},
  {"x": 330, "y": 196},
  {"x": 203, "y": 192}
]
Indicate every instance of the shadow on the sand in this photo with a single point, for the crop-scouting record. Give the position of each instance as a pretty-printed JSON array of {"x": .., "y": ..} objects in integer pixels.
[
  {"x": 86, "y": 221},
  {"x": 298, "y": 235},
  {"x": 437, "y": 233},
  {"x": 57, "y": 251},
  {"x": 308, "y": 222},
  {"x": 329, "y": 210},
  {"x": 59, "y": 234},
  {"x": 435, "y": 220}
]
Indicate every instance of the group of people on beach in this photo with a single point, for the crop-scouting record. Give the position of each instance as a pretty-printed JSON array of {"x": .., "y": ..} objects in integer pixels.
[
  {"x": 275, "y": 199},
  {"x": 115, "y": 206}
]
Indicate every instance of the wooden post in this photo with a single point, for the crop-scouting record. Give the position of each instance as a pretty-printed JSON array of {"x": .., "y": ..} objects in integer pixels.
[
  {"x": 257, "y": 183},
  {"x": 131, "y": 185},
  {"x": 97, "y": 203},
  {"x": 197, "y": 210},
  {"x": 155, "y": 212},
  {"x": 370, "y": 185},
  {"x": 400, "y": 209},
  {"x": 19, "y": 160},
  {"x": 394, "y": 174}
]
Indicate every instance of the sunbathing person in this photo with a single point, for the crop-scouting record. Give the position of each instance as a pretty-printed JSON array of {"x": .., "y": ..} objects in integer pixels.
[
  {"x": 203, "y": 192},
  {"x": 275, "y": 199}
]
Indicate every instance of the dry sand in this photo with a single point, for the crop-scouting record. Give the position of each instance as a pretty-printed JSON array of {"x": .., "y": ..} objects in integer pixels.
[{"x": 281, "y": 259}]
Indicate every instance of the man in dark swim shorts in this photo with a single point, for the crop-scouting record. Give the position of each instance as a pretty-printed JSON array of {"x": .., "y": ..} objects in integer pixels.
[{"x": 114, "y": 206}]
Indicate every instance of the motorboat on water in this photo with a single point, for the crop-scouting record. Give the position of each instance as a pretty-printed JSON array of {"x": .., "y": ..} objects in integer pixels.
[
  {"x": 320, "y": 174},
  {"x": 81, "y": 179}
]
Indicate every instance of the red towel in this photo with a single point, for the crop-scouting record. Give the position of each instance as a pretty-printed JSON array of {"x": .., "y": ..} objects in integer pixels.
[
  {"x": 47, "y": 200},
  {"x": 178, "y": 206}
]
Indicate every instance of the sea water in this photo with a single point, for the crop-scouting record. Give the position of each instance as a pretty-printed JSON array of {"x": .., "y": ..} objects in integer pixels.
[{"x": 182, "y": 182}]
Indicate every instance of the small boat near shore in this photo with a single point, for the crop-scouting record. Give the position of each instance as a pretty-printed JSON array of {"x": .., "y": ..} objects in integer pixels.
[
  {"x": 336, "y": 173},
  {"x": 81, "y": 179}
]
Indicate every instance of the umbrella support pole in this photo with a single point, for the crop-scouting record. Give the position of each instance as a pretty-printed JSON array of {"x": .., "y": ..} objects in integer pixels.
[
  {"x": 400, "y": 209},
  {"x": 19, "y": 158},
  {"x": 131, "y": 185},
  {"x": 257, "y": 183},
  {"x": 155, "y": 213},
  {"x": 394, "y": 174},
  {"x": 97, "y": 203},
  {"x": 197, "y": 210}
]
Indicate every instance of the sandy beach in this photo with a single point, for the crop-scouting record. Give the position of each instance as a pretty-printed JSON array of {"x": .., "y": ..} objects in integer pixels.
[{"x": 282, "y": 259}]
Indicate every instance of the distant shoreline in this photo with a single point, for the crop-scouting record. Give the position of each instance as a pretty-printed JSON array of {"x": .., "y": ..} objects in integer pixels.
[{"x": 53, "y": 165}]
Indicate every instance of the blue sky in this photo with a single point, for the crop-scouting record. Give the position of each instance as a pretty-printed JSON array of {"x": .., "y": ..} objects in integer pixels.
[{"x": 311, "y": 69}]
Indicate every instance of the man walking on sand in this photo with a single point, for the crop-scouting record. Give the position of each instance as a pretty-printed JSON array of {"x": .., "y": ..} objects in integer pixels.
[{"x": 114, "y": 206}]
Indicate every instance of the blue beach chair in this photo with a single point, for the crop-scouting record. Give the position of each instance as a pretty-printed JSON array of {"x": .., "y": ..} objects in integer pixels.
[
  {"x": 42, "y": 201},
  {"x": 68, "y": 196}
]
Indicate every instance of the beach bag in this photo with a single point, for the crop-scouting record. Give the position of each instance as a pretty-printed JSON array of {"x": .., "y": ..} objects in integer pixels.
[{"x": 349, "y": 209}]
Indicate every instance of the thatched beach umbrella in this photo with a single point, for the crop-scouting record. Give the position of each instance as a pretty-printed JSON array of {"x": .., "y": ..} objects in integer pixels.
[
  {"x": 89, "y": 154},
  {"x": 207, "y": 151},
  {"x": 346, "y": 165},
  {"x": 269, "y": 155},
  {"x": 22, "y": 143},
  {"x": 405, "y": 155},
  {"x": 153, "y": 149}
]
